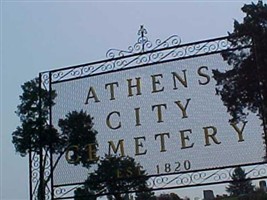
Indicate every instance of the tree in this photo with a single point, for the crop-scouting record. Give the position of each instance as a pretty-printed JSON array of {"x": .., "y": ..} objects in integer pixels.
[
  {"x": 259, "y": 194},
  {"x": 244, "y": 87},
  {"x": 34, "y": 130},
  {"x": 37, "y": 136},
  {"x": 171, "y": 196},
  {"x": 117, "y": 175},
  {"x": 83, "y": 193},
  {"x": 77, "y": 130},
  {"x": 240, "y": 184},
  {"x": 147, "y": 195}
]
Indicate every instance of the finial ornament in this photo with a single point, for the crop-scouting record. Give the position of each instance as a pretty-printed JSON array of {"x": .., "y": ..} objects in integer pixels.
[
  {"x": 143, "y": 52},
  {"x": 143, "y": 45},
  {"x": 142, "y": 39}
]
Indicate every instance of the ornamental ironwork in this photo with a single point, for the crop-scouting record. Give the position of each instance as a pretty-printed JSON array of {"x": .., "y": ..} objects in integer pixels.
[
  {"x": 188, "y": 69},
  {"x": 181, "y": 180},
  {"x": 142, "y": 53}
]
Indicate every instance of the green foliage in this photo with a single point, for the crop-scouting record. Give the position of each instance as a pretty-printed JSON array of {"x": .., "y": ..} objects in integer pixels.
[
  {"x": 116, "y": 175},
  {"x": 171, "y": 196},
  {"x": 34, "y": 130},
  {"x": 145, "y": 195},
  {"x": 35, "y": 133},
  {"x": 245, "y": 85},
  {"x": 77, "y": 129},
  {"x": 226, "y": 198},
  {"x": 83, "y": 193},
  {"x": 257, "y": 195},
  {"x": 240, "y": 184}
]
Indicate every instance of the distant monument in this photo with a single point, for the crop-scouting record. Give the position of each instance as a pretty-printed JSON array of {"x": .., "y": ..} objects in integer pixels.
[
  {"x": 263, "y": 186},
  {"x": 208, "y": 195}
]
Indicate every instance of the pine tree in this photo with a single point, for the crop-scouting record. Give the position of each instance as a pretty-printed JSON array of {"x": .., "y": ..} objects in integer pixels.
[
  {"x": 240, "y": 183},
  {"x": 116, "y": 176},
  {"x": 147, "y": 195},
  {"x": 244, "y": 86},
  {"x": 35, "y": 135}
]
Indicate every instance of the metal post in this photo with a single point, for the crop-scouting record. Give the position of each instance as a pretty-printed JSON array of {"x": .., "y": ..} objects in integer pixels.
[
  {"x": 30, "y": 170},
  {"x": 50, "y": 128},
  {"x": 41, "y": 192}
]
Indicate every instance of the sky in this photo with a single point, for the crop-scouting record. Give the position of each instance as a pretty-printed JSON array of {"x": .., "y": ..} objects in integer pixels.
[{"x": 38, "y": 36}]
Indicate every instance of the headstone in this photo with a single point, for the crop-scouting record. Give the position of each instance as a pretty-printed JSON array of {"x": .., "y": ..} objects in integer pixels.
[
  {"x": 263, "y": 186},
  {"x": 208, "y": 195}
]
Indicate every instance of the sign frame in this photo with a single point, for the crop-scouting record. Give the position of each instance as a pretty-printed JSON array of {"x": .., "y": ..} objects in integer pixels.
[{"x": 142, "y": 54}]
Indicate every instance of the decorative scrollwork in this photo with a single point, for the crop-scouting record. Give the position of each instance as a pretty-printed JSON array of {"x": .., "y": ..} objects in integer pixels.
[
  {"x": 180, "y": 180},
  {"x": 35, "y": 174},
  {"x": 142, "y": 53},
  {"x": 222, "y": 175},
  {"x": 45, "y": 80},
  {"x": 258, "y": 171},
  {"x": 59, "y": 191},
  {"x": 214, "y": 176},
  {"x": 139, "y": 47},
  {"x": 67, "y": 191},
  {"x": 142, "y": 45},
  {"x": 199, "y": 176}
]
